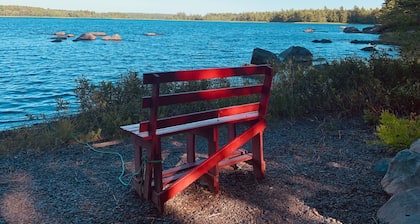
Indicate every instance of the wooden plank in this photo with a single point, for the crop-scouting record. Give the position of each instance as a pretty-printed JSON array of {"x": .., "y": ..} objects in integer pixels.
[
  {"x": 201, "y": 74},
  {"x": 265, "y": 94},
  {"x": 175, "y": 173},
  {"x": 208, "y": 123},
  {"x": 249, "y": 116},
  {"x": 200, "y": 116},
  {"x": 202, "y": 95}
]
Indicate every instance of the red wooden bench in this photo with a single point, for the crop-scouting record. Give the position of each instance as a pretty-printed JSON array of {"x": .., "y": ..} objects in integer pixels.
[{"x": 154, "y": 183}]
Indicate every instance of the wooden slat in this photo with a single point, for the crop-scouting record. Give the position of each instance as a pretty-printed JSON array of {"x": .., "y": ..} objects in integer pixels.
[
  {"x": 134, "y": 128},
  {"x": 180, "y": 168},
  {"x": 202, "y": 95},
  {"x": 200, "y": 116},
  {"x": 175, "y": 173},
  {"x": 208, "y": 123},
  {"x": 201, "y": 74}
]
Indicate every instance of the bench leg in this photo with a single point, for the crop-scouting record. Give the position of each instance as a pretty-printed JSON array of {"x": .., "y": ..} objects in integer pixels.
[
  {"x": 138, "y": 181},
  {"x": 212, "y": 175},
  {"x": 211, "y": 178},
  {"x": 191, "y": 147},
  {"x": 258, "y": 156},
  {"x": 155, "y": 162}
]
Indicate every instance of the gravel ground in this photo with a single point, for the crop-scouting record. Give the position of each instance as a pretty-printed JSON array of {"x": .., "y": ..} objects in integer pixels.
[{"x": 318, "y": 171}]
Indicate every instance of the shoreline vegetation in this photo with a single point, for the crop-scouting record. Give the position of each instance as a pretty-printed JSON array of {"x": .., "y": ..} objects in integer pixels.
[
  {"x": 348, "y": 87},
  {"x": 356, "y": 15}
]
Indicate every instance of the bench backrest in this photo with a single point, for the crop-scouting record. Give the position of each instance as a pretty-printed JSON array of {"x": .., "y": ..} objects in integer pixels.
[{"x": 157, "y": 99}]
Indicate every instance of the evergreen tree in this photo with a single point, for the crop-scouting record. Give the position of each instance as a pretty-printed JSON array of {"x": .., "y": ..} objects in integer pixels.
[{"x": 401, "y": 13}]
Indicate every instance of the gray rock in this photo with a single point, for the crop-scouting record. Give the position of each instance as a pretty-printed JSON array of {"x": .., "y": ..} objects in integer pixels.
[
  {"x": 58, "y": 40},
  {"x": 60, "y": 33},
  {"x": 261, "y": 57},
  {"x": 98, "y": 33},
  {"x": 382, "y": 166},
  {"x": 86, "y": 36},
  {"x": 376, "y": 29},
  {"x": 415, "y": 147},
  {"x": 297, "y": 55},
  {"x": 351, "y": 29},
  {"x": 370, "y": 48},
  {"x": 403, "y": 172},
  {"x": 403, "y": 207},
  {"x": 115, "y": 37},
  {"x": 152, "y": 34},
  {"x": 322, "y": 41}
]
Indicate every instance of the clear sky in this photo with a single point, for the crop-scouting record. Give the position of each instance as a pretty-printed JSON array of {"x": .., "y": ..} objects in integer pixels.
[{"x": 193, "y": 6}]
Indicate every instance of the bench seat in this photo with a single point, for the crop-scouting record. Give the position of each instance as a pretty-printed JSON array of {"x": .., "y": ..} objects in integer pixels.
[{"x": 135, "y": 128}]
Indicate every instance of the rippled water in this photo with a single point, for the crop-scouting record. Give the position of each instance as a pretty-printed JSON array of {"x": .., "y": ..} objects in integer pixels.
[{"x": 35, "y": 71}]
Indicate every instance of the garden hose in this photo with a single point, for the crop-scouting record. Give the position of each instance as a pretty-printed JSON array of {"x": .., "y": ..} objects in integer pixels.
[{"x": 120, "y": 177}]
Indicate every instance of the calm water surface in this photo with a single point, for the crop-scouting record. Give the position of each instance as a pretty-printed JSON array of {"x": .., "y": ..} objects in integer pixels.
[{"x": 35, "y": 71}]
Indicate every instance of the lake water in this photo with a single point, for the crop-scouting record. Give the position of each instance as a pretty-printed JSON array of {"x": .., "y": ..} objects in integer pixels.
[{"x": 35, "y": 71}]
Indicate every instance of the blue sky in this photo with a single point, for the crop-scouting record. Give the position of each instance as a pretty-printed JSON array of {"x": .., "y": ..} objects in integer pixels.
[{"x": 192, "y": 6}]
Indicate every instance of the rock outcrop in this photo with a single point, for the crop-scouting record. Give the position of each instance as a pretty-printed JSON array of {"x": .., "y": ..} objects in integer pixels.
[
  {"x": 98, "y": 33},
  {"x": 261, "y": 57},
  {"x": 376, "y": 29},
  {"x": 322, "y": 41},
  {"x": 403, "y": 207},
  {"x": 151, "y": 34},
  {"x": 370, "y": 48},
  {"x": 60, "y": 33},
  {"x": 115, "y": 37},
  {"x": 351, "y": 29},
  {"x": 297, "y": 55},
  {"x": 367, "y": 42},
  {"x": 86, "y": 36},
  {"x": 294, "y": 55},
  {"x": 403, "y": 172},
  {"x": 402, "y": 181}
]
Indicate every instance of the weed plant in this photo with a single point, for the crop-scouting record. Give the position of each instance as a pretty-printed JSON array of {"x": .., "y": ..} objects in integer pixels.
[{"x": 398, "y": 133}]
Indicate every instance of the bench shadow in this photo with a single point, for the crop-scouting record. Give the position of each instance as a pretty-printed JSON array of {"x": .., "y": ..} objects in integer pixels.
[{"x": 315, "y": 174}]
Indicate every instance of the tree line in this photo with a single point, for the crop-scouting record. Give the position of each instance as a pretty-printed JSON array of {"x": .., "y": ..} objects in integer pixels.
[
  {"x": 393, "y": 13},
  {"x": 325, "y": 15},
  {"x": 26, "y": 11},
  {"x": 355, "y": 15}
]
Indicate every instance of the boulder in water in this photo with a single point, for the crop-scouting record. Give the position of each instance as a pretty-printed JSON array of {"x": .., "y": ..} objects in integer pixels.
[
  {"x": 261, "y": 57},
  {"x": 115, "y": 37},
  {"x": 86, "y": 36},
  {"x": 297, "y": 55}
]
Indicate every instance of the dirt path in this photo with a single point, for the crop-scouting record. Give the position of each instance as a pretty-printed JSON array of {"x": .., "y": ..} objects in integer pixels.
[{"x": 317, "y": 172}]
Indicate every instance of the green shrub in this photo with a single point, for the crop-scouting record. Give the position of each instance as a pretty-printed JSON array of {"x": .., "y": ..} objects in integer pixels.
[
  {"x": 351, "y": 86},
  {"x": 346, "y": 87},
  {"x": 398, "y": 133},
  {"x": 401, "y": 81},
  {"x": 103, "y": 107}
]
